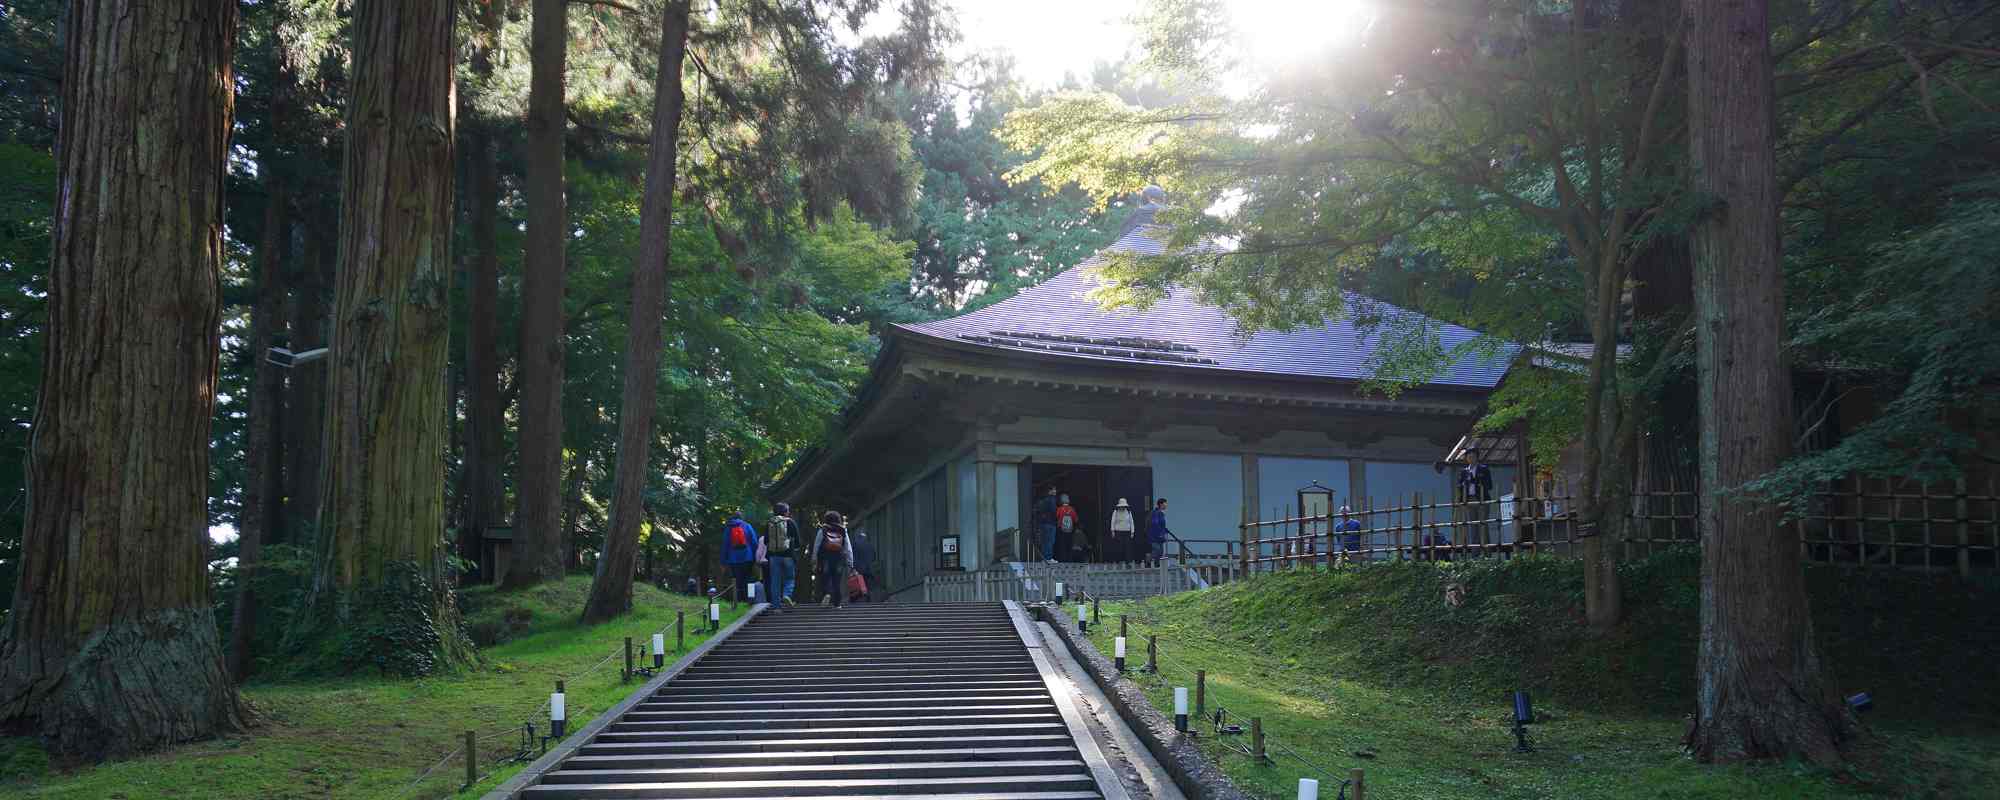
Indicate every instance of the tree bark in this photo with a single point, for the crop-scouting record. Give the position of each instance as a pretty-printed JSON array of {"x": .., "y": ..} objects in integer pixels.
[
  {"x": 383, "y": 500},
  {"x": 111, "y": 646},
  {"x": 484, "y": 448},
  {"x": 264, "y": 483},
  {"x": 611, "y": 591},
  {"x": 1761, "y": 692},
  {"x": 305, "y": 396},
  {"x": 537, "y": 548}
]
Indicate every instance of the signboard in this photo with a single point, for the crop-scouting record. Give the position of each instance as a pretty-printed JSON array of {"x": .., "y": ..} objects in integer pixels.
[{"x": 948, "y": 553}]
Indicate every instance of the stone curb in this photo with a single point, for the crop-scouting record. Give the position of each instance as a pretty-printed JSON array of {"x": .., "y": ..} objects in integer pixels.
[{"x": 1196, "y": 775}]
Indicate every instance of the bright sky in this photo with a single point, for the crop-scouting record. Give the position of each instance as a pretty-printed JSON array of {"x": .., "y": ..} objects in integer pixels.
[{"x": 1052, "y": 38}]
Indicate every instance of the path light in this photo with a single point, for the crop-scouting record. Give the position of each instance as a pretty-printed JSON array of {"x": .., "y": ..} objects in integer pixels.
[
  {"x": 1082, "y": 625},
  {"x": 1180, "y": 709},
  {"x": 1060, "y": 594},
  {"x": 1118, "y": 652},
  {"x": 753, "y": 592},
  {"x": 1524, "y": 713},
  {"x": 659, "y": 650},
  {"x": 714, "y": 616},
  {"x": 558, "y": 719},
  {"x": 1308, "y": 789}
]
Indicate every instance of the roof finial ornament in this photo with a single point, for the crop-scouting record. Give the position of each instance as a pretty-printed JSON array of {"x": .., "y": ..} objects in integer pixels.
[
  {"x": 1153, "y": 195},
  {"x": 1151, "y": 199}
]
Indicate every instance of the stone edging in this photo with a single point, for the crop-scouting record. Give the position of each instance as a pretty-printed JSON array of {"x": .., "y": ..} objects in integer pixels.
[
  {"x": 1196, "y": 775},
  {"x": 532, "y": 774}
]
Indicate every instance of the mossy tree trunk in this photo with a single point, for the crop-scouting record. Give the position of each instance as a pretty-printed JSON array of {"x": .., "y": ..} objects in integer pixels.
[
  {"x": 111, "y": 647},
  {"x": 1760, "y": 691},
  {"x": 538, "y": 543},
  {"x": 383, "y": 490},
  {"x": 611, "y": 591}
]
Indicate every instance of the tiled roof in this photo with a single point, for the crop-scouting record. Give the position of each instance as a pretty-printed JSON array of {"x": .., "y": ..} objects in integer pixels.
[{"x": 1058, "y": 317}]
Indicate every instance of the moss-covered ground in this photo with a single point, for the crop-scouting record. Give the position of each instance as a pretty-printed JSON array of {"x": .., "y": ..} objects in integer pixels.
[
  {"x": 1370, "y": 667},
  {"x": 365, "y": 736}
]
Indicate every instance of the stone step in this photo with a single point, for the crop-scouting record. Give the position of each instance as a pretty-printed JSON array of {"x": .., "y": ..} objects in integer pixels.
[
  {"x": 879, "y": 770},
  {"x": 843, "y": 695},
  {"x": 842, "y": 688},
  {"x": 984, "y": 786},
  {"x": 1043, "y": 727},
  {"x": 866, "y": 708},
  {"x": 819, "y": 757},
  {"x": 880, "y": 700},
  {"x": 729, "y": 747},
  {"x": 1036, "y": 714}
]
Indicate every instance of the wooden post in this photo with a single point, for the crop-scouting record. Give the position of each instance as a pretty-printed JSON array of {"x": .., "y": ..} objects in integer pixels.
[
  {"x": 1152, "y": 653},
  {"x": 1096, "y": 611},
  {"x": 1960, "y": 512},
  {"x": 1257, "y": 738},
  {"x": 1358, "y": 783},
  {"x": 1417, "y": 524},
  {"x": 628, "y": 659},
  {"x": 1243, "y": 537},
  {"x": 1121, "y": 625},
  {"x": 1200, "y": 693},
  {"x": 1924, "y": 506},
  {"x": 680, "y": 627},
  {"x": 471, "y": 758}
]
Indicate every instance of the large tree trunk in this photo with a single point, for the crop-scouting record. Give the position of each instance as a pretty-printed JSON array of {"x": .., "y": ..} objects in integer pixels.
[
  {"x": 264, "y": 483},
  {"x": 484, "y": 450},
  {"x": 305, "y": 397},
  {"x": 111, "y": 646},
  {"x": 1604, "y": 503},
  {"x": 1761, "y": 692},
  {"x": 611, "y": 591},
  {"x": 537, "y": 553},
  {"x": 383, "y": 499}
]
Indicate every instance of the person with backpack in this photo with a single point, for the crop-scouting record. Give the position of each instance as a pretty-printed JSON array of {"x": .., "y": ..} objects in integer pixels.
[
  {"x": 864, "y": 567},
  {"x": 781, "y": 570},
  {"x": 1157, "y": 530},
  {"x": 834, "y": 555},
  {"x": 1045, "y": 524},
  {"x": 1065, "y": 522},
  {"x": 739, "y": 554}
]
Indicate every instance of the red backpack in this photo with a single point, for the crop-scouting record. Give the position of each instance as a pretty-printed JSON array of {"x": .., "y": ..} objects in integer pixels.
[{"x": 739, "y": 536}]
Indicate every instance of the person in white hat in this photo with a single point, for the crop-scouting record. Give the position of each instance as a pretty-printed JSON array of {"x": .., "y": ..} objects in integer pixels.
[{"x": 1122, "y": 528}]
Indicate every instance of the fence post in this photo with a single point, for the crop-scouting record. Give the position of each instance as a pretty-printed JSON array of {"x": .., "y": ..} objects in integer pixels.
[
  {"x": 1152, "y": 653},
  {"x": 628, "y": 659},
  {"x": 471, "y": 759},
  {"x": 1096, "y": 611},
  {"x": 680, "y": 625},
  {"x": 1121, "y": 625},
  {"x": 1417, "y": 538},
  {"x": 1358, "y": 782},
  {"x": 1200, "y": 693},
  {"x": 1961, "y": 512},
  {"x": 1257, "y": 738},
  {"x": 1243, "y": 538}
]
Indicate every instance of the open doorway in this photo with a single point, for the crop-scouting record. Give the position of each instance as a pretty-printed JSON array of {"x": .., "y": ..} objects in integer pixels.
[{"x": 1094, "y": 491}]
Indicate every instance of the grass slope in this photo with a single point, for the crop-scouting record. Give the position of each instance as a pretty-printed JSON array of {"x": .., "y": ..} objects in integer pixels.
[
  {"x": 1369, "y": 667},
  {"x": 370, "y": 737}
]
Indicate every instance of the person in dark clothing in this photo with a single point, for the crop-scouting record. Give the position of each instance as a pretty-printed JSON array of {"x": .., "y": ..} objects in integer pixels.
[
  {"x": 1157, "y": 530},
  {"x": 1045, "y": 524},
  {"x": 834, "y": 554},
  {"x": 783, "y": 570},
  {"x": 739, "y": 554},
  {"x": 864, "y": 563}
]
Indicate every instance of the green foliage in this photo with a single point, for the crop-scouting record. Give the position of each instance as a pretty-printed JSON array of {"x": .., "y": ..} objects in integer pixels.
[
  {"x": 1549, "y": 402},
  {"x": 27, "y": 178},
  {"x": 394, "y": 626},
  {"x": 1371, "y": 666}
]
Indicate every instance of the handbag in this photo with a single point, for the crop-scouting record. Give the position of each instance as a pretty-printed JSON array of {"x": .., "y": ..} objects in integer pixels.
[
  {"x": 762, "y": 555},
  {"x": 856, "y": 585}
]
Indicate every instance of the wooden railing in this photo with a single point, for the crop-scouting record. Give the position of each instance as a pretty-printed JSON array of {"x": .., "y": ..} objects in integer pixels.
[
  {"x": 1034, "y": 582},
  {"x": 1911, "y": 526}
]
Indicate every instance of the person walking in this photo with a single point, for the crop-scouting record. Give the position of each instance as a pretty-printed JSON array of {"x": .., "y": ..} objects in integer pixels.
[
  {"x": 739, "y": 554},
  {"x": 783, "y": 569},
  {"x": 1349, "y": 529},
  {"x": 833, "y": 554},
  {"x": 1066, "y": 525},
  {"x": 1045, "y": 524},
  {"x": 1122, "y": 529},
  {"x": 864, "y": 565},
  {"x": 1157, "y": 530}
]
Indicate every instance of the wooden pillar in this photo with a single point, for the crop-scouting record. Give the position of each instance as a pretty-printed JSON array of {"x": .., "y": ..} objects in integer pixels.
[
  {"x": 1251, "y": 480},
  {"x": 988, "y": 509}
]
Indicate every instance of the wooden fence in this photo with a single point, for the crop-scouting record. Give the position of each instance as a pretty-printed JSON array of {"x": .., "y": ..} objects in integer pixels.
[
  {"x": 1032, "y": 582},
  {"x": 1874, "y": 523}
]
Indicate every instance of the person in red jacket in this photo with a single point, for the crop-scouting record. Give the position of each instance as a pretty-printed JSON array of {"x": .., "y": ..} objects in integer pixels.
[{"x": 1066, "y": 523}]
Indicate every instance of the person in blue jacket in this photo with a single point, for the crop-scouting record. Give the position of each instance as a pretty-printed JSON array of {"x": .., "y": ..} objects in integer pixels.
[
  {"x": 1157, "y": 530},
  {"x": 739, "y": 554},
  {"x": 1350, "y": 531}
]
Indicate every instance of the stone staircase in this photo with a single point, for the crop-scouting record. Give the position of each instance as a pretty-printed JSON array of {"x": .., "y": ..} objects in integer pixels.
[{"x": 903, "y": 701}]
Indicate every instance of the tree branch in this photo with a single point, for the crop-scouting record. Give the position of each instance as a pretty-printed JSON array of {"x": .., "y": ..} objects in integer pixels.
[{"x": 607, "y": 4}]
